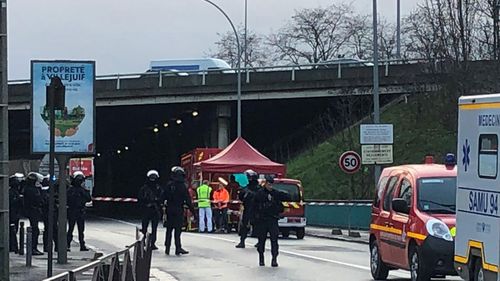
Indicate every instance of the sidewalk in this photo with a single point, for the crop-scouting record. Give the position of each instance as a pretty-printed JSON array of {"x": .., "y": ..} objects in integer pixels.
[
  {"x": 38, "y": 270},
  {"x": 326, "y": 232}
]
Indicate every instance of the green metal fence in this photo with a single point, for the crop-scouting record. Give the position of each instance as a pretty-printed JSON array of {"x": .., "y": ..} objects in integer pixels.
[{"x": 339, "y": 214}]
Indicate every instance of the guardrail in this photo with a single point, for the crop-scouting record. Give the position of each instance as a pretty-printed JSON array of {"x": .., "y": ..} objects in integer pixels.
[
  {"x": 338, "y": 65},
  {"x": 122, "y": 265},
  {"x": 355, "y": 214}
]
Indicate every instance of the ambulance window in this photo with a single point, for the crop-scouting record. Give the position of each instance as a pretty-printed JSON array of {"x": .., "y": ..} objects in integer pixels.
[
  {"x": 405, "y": 192},
  {"x": 389, "y": 193},
  {"x": 488, "y": 156}
]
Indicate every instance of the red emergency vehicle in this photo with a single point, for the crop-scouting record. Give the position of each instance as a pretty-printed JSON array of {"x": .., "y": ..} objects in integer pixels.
[
  {"x": 238, "y": 157},
  {"x": 413, "y": 221}
]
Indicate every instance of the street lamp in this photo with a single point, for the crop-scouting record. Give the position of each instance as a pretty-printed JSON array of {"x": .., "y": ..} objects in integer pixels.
[
  {"x": 238, "y": 66},
  {"x": 398, "y": 28},
  {"x": 376, "y": 105}
]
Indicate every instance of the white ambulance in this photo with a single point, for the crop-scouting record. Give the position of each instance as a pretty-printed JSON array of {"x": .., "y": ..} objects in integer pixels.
[{"x": 478, "y": 188}]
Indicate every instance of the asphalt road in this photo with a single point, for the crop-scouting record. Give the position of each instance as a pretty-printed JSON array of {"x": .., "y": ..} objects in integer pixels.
[{"x": 214, "y": 257}]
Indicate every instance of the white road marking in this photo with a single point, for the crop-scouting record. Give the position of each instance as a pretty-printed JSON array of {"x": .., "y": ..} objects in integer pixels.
[
  {"x": 161, "y": 275},
  {"x": 300, "y": 255},
  {"x": 366, "y": 268}
]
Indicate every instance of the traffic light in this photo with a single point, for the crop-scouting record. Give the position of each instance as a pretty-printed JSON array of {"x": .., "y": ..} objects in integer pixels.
[{"x": 56, "y": 92}]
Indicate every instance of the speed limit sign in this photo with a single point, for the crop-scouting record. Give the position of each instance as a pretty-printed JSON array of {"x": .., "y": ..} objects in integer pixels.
[{"x": 350, "y": 162}]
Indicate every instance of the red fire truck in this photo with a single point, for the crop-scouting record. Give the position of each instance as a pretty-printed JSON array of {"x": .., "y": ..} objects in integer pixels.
[{"x": 212, "y": 164}]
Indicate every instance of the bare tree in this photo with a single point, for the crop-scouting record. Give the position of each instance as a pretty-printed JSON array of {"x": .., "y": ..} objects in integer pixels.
[
  {"x": 313, "y": 35},
  {"x": 444, "y": 29},
  {"x": 227, "y": 49}
]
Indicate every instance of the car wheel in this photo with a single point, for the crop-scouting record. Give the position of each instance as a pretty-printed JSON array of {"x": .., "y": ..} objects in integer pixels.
[
  {"x": 300, "y": 232},
  {"x": 478, "y": 271},
  {"x": 379, "y": 270},
  {"x": 417, "y": 269}
]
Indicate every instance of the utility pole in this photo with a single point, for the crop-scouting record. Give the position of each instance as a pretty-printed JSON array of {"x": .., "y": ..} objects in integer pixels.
[
  {"x": 246, "y": 36},
  {"x": 398, "y": 27},
  {"x": 238, "y": 67},
  {"x": 376, "y": 105},
  {"x": 4, "y": 148}
]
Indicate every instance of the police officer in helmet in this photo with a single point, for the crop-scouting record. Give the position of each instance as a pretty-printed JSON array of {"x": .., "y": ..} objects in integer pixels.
[
  {"x": 268, "y": 207},
  {"x": 15, "y": 207},
  {"x": 150, "y": 200},
  {"x": 33, "y": 205},
  {"x": 78, "y": 195},
  {"x": 247, "y": 197},
  {"x": 176, "y": 196}
]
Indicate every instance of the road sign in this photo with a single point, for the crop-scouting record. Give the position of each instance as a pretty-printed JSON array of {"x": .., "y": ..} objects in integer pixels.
[
  {"x": 377, "y": 154},
  {"x": 350, "y": 162},
  {"x": 376, "y": 134},
  {"x": 74, "y": 123},
  {"x": 44, "y": 166}
]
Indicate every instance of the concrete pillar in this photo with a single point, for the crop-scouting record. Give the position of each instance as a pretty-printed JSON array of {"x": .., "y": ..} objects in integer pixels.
[{"x": 223, "y": 117}]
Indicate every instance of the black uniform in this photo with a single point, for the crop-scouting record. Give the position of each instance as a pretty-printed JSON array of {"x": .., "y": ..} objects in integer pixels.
[
  {"x": 150, "y": 200},
  {"x": 268, "y": 206},
  {"x": 77, "y": 197},
  {"x": 176, "y": 196},
  {"x": 45, "y": 217},
  {"x": 247, "y": 197},
  {"x": 15, "y": 209},
  {"x": 33, "y": 207}
]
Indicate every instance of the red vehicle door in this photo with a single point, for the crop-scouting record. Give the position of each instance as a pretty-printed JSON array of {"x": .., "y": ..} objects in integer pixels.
[
  {"x": 401, "y": 221},
  {"x": 384, "y": 224}
]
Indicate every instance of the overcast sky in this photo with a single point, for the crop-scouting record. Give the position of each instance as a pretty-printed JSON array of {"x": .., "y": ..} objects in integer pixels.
[{"x": 123, "y": 36}]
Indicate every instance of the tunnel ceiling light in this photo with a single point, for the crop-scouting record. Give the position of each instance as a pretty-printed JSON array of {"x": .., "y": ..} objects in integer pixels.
[
  {"x": 195, "y": 113},
  {"x": 156, "y": 130},
  {"x": 118, "y": 151},
  {"x": 98, "y": 154},
  {"x": 165, "y": 124},
  {"x": 126, "y": 147},
  {"x": 179, "y": 121}
]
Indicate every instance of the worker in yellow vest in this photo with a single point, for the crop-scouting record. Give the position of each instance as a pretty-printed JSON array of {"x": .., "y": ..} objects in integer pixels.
[{"x": 204, "y": 192}]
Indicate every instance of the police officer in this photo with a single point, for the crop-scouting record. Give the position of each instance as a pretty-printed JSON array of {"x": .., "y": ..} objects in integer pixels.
[
  {"x": 15, "y": 208},
  {"x": 150, "y": 200},
  {"x": 33, "y": 206},
  {"x": 268, "y": 206},
  {"x": 247, "y": 197},
  {"x": 176, "y": 196},
  {"x": 45, "y": 215},
  {"x": 77, "y": 197}
]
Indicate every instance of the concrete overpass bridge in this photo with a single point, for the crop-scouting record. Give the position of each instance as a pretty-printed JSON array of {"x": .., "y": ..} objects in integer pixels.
[{"x": 258, "y": 84}]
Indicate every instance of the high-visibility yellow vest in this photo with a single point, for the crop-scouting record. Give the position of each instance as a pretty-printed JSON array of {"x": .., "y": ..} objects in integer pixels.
[{"x": 203, "y": 193}]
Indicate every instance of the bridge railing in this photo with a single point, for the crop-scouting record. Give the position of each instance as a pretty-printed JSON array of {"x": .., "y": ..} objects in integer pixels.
[
  {"x": 339, "y": 66},
  {"x": 131, "y": 264}
]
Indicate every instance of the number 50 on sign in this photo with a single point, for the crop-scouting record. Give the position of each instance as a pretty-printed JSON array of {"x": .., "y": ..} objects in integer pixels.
[{"x": 350, "y": 162}]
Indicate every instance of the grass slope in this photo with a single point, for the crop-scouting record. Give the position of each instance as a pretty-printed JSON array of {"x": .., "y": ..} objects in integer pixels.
[{"x": 419, "y": 129}]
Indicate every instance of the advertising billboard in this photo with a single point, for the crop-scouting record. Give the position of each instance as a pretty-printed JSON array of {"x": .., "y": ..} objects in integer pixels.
[{"x": 75, "y": 124}]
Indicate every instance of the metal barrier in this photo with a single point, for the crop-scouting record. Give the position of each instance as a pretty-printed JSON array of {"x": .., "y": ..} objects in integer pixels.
[
  {"x": 123, "y": 265},
  {"x": 292, "y": 68},
  {"x": 341, "y": 214}
]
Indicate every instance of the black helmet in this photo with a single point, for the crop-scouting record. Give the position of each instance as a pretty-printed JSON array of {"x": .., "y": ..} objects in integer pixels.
[
  {"x": 269, "y": 178},
  {"x": 178, "y": 173},
  {"x": 153, "y": 175},
  {"x": 16, "y": 179},
  {"x": 35, "y": 178},
  {"x": 78, "y": 175},
  {"x": 251, "y": 175}
]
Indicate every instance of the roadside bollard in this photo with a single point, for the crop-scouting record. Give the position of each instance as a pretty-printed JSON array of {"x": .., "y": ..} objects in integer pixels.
[
  {"x": 21, "y": 238},
  {"x": 29, "y": 246},
  {"x": 13, "y": 239}
]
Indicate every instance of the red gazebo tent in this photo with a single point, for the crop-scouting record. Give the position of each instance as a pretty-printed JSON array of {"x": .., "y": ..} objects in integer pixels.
[{"x": 238, "y": 157}]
